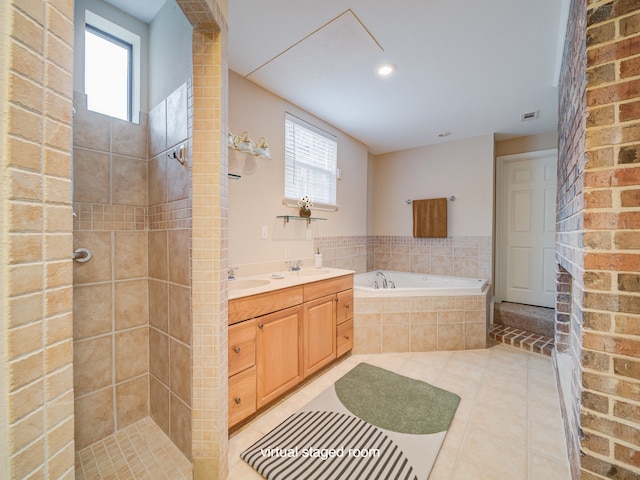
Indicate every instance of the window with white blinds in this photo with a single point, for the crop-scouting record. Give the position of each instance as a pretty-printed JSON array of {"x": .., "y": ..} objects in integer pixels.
[{"x": 310, "y": 164}]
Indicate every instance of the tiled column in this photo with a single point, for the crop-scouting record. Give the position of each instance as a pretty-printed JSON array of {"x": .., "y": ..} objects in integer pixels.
[{"x": 36, "y": 354}]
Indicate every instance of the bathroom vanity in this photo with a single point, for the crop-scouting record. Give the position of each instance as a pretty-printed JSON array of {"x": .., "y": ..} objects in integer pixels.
[{"x": 283, "y": 331}]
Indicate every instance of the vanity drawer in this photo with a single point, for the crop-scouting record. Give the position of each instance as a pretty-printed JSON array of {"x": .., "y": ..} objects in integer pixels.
[
  {"x": 242, "y": 395},
  {"x": 253, "y": 306},
  {"x": 344, "y": 310},
  {"x": 327, "y": 287},
  {"x": 344, "y": 338},
  {"x": 242, "y": 346}
]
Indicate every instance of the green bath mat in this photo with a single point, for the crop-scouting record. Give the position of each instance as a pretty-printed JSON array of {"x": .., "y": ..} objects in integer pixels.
[{"x": 370, "y": 424}]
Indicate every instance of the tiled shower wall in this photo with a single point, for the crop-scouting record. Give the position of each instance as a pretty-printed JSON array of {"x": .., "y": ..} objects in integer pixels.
[
  {"x": 169, "y": 270},
  {"x": 110, "y": 325}
]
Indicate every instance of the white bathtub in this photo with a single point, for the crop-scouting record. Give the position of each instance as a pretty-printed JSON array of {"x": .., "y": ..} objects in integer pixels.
[{"x": 415, "y": 284}]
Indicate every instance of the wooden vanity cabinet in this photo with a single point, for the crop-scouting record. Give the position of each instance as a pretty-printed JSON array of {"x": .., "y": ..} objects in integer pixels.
[
  {"x": 278, "y": 338},
  {"x": 279, "y": 353}
]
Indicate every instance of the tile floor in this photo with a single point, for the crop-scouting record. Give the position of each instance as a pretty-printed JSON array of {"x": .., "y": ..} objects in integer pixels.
[
  {"x": 140, "y": 451},
  {"x": 507, "y": 426}
]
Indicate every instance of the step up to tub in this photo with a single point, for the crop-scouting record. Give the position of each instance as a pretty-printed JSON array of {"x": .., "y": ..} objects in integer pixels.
[
  {"x": 532, "y": 342},
  {"x": 539, "y": 320}
]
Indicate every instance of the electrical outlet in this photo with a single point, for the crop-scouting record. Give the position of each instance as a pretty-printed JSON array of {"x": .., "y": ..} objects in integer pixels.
[{"x": 264, "y": 232}]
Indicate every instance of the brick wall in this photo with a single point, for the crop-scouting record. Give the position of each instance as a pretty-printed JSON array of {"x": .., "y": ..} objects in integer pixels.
[{"x": 600, "y": 149}]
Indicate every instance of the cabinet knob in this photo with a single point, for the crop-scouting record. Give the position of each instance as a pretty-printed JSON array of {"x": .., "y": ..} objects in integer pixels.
[
  {"x": 260, "y": 325},
  {"x": 236, "y": 349},
  {"x": 347, "y": 306},
  {"x": 237, "y": 400},
  {"x": 347, "y": 337}
]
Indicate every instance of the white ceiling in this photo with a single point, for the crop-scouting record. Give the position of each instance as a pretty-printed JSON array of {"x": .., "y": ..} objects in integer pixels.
[{"x": 463, "y": 66}]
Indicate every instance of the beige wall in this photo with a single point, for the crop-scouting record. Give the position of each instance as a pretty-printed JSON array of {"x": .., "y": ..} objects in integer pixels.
[
  {"x": 463, "y": 168},
  {"x": 530, "y": 143},
  {"x": 256, "y": 199}
]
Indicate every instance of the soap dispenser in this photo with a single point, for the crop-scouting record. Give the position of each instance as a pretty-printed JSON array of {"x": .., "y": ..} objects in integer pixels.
[{"x": 318, "y": 259}]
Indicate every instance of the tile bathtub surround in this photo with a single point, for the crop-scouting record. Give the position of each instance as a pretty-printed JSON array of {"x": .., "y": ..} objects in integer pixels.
[
  {"x": 507, "y": 426},
  {"x": 469, "y": 257},
  {"x": 35, "y": 198},
  {"x": 419, "y": 324}
]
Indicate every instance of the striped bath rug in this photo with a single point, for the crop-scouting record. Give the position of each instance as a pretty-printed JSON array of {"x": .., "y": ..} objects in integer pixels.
[{"x": 370, "y": 424}]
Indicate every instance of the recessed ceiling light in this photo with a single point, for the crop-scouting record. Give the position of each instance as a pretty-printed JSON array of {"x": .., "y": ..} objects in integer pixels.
[
  {"x": 444, "y": 134},
  {"x": 386, "y": 69}
]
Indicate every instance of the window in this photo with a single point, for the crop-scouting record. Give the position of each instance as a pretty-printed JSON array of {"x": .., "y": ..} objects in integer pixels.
[
  {"x": 310, "y": 164},
  {"x": 112, "y": 68}
]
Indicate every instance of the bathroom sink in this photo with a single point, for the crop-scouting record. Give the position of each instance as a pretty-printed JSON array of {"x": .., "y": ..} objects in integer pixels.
[
  {"x": 311, "y": 272},
  {"x": 242, "y": 284}
]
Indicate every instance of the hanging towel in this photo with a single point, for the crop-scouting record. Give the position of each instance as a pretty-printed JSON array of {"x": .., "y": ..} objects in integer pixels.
[{"x": 430, "y": 218}]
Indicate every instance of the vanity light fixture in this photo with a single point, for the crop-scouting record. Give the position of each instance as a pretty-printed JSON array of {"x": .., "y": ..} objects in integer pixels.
[
  {"x": 386, "y": 69},
  {"x": 243, "y": 143}
]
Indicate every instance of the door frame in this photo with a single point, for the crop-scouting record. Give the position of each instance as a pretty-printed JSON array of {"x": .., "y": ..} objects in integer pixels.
[{"x": 500, "y": 264}]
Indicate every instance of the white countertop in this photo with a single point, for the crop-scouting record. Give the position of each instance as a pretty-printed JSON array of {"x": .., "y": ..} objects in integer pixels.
[{"x": 268, "y": 282}]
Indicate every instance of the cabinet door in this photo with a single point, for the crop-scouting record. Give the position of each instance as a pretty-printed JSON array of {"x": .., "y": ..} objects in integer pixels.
[
  {"x": 319, "y": 332},
  {"x": 344, "y": 308},
  {"x": 278, "y": 353}
]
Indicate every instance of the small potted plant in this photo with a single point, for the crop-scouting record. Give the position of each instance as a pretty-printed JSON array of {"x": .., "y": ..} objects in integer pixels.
[{"x": 305, "y": 205}]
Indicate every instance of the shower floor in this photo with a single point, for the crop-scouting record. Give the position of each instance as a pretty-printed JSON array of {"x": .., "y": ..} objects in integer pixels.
[{"x": 140, "y": 451}]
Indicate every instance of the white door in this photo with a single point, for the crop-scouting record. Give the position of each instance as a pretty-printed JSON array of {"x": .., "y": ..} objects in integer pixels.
[{"x": 528, "y": 226}]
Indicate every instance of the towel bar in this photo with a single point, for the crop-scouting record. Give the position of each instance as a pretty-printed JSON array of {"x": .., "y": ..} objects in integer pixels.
[{"x": 451, "y": 198}]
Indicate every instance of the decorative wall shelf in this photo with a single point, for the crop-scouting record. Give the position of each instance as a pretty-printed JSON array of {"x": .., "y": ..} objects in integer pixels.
[{"x": 286, "y": 218}]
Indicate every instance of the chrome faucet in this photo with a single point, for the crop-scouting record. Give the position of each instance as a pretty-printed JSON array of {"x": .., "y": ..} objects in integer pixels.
[
  {"x": 384, "y": 279},
  {"x": 294, "y": 266}
]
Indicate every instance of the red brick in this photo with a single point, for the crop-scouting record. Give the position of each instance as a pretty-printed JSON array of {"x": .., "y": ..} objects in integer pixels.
[
  {"x": 600, "y": 158},
  {"x": 629, "y": 282},
  {"x": 612, "y": 344},
  {"x": 626, "y": 411},
  {"x": 597, "y": 199},
  {"x": 608, "y": 384},
  {"x": 630, "y": 133},
  {"x": 617, "y": 262},
  {"x": 603, "y": 136},
  {"x": 604, "y": 469},
  {"x": 627, "y": 325},
  {"x": 598, "y": 240},
  {"x": 597, "y": 281},
  {"x": 599, "y": 179},
  {"x": 596, "y": 443},
  {"x": 596, "y": 361},
  {"x": 629, "y": 111},
  {"x": 630, "y": 25},
  {"x": 630, "y": 68},
  {"x": 601, "y": 34},
  {"x": 611, "y": 220},
  {"x": 595, "y": 402},
  {"x": 629, "y": 154},
  {"x": 626, "y": 368},
  {"x": 627, "y": 176},
  {"x": 630, "y": 198},
  {"x": 630, "y": 456},
  {"x": 599, "y": 117},
  {"x": 615, "y": 51},
  {"x": 627, "y": 240},
  {"x": 597, "y": 321},
  {"x": 613, "y": 93}
]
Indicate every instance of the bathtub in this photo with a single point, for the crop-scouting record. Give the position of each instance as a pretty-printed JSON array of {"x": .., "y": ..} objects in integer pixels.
[
  {"x": 415, "y": 284},
  {"x": 423, "y": 313}
]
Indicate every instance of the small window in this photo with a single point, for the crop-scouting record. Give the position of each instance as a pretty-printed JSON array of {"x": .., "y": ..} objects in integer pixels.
[
  {"x": 310, "y": 164},
  {"x": 108, "y": 74}
]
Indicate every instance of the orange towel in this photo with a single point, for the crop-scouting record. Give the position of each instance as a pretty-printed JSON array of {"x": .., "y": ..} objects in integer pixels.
[{"x": 430, "y": 218}]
